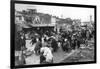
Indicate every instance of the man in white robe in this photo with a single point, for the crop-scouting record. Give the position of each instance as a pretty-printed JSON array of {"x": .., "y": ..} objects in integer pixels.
[{"x": 47, "y": 54}]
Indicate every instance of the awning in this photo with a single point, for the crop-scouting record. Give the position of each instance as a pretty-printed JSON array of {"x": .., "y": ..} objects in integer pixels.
[
  {"x": 25, "y": 25},
  {"x": 42, "y": 25}
]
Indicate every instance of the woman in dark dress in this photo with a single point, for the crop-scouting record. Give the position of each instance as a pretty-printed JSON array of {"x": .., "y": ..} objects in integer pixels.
[{"x": 54, "y": 45}]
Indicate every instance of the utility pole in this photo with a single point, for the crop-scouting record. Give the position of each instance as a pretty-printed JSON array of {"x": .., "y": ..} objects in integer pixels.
[{"x": 90, "y": 19}]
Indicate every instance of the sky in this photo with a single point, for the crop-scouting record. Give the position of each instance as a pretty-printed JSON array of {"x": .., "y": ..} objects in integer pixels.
[{"x": 60, "y": 11}]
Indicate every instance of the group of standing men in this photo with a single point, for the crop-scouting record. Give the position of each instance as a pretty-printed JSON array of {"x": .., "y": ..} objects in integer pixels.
[{"x": 45, "y": 45}]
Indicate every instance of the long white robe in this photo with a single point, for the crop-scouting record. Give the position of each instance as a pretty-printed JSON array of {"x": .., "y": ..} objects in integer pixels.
[{"x": 47, "y": 53}]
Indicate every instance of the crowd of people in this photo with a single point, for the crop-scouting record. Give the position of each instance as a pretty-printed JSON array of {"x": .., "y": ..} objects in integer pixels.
[{"x": 45, "y": 44}]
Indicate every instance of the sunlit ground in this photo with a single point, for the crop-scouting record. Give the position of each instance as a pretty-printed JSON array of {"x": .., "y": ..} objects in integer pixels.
[{"x": 85, "y": 53}]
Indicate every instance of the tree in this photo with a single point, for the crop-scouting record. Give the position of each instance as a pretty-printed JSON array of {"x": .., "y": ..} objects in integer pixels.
[{"x": 69, "y": 20}]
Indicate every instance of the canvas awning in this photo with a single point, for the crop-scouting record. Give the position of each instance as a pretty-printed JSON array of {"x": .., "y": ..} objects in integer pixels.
[
  {"x": 42, "y": 25},
  {"x": 25, "y": 25}
]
